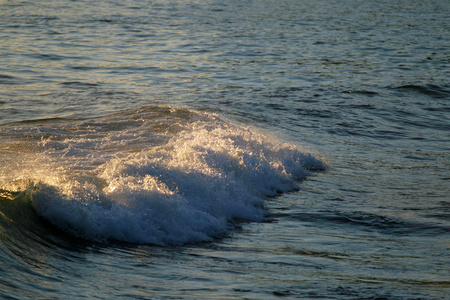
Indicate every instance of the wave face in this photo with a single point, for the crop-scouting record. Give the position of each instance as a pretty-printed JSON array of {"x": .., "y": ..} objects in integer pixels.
[{"x": 157, "y": 175}]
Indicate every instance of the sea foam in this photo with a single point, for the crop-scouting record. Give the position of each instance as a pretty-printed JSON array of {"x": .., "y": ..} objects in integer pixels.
[{"x": 166, "y": 177}]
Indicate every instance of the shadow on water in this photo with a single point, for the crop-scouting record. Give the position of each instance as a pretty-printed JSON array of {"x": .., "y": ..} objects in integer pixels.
[{"x": 25, "y": 233}]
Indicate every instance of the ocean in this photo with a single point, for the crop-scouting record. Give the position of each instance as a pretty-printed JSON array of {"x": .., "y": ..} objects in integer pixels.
[{"x": 204, "y": 149}]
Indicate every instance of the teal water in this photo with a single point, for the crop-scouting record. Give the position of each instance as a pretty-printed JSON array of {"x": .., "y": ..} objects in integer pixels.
[{"x": 224, "y": 150}]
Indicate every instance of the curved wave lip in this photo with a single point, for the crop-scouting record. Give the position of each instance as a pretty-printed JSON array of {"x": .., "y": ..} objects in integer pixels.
[{"x": 157, "y": 175}]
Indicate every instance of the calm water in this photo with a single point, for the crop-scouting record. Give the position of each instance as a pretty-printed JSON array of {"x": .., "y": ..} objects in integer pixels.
[{"x": 225, "y": 149}]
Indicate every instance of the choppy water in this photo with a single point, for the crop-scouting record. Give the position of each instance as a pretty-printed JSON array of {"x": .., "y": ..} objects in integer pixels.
[{"x": 224, "y": 150}]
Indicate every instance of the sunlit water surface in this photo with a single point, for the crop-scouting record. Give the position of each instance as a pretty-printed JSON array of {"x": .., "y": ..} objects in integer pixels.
[{"x": 224, "y": 149}]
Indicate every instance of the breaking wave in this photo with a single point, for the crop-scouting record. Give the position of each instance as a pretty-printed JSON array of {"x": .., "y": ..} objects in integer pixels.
[{"x": 157, "y": 175}]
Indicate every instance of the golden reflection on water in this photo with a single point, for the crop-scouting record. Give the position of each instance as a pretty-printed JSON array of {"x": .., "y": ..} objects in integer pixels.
[{"x": 40, "y": 60}]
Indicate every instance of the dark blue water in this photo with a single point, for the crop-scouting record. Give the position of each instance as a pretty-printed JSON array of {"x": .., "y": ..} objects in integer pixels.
[{"x": 224, "y": 149}]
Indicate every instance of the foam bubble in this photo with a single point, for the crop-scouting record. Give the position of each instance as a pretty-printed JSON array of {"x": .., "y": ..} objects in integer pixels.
[{"x": 174, "y": 177}]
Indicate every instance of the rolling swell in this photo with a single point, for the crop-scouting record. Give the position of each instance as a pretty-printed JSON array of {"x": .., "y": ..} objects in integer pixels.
[
  {"x": 24, "y": 231},
  {"x": 434, "y": 91},
  {"x": 371, "y": 222},
  {"x": 156, "y": 175},
  {"x": 29, "y": 245}
]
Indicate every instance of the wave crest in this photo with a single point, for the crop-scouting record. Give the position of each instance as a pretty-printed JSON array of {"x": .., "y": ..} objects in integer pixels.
[{"x": 167, "y": 186}]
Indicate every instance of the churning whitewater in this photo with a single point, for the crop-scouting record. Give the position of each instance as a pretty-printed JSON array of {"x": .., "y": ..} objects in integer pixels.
[{"x": 157, "y": 175}]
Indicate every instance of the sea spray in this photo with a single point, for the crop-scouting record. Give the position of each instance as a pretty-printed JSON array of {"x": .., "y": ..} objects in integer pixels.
[{"x": 159, "y": 175}]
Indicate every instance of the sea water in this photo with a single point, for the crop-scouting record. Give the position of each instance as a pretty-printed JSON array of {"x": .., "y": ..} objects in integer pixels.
[{"x": 224, "y": 150}]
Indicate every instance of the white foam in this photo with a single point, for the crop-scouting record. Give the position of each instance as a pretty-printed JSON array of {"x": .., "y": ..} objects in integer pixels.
[{"x": 170, "y": 186}]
